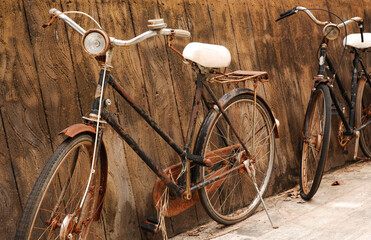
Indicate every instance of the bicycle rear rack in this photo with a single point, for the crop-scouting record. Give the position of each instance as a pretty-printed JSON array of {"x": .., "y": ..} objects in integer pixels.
[{"x": 240, "y": 76}]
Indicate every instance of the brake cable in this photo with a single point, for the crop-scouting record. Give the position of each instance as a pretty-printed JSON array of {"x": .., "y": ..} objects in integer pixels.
[{"x": 68, "y": 12}]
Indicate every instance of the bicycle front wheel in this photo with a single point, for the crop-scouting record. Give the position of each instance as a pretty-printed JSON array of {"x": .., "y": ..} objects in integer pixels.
[
  {"x": 53, "y": 209},
  {"x": 316, "y": 142},
  {"x": 363, "y": 115},
  {"x": 233, "y": 197}
]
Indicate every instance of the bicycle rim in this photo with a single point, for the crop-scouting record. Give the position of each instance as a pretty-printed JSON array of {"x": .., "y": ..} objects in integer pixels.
[
  {"x": 234, "y": 197},
  {"x": 315, "y": 146},
  {"x": 363, "y": 115},
  {"x": 53, "y": 208}
]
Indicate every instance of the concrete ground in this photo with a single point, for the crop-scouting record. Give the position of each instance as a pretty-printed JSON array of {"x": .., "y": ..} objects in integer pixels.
[{"x": 335, "y": 212}]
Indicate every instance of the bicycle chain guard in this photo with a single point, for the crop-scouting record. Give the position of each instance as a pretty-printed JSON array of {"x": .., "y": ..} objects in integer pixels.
[
  {"x": 176, "y": 205},
  {"x": 179, "y": 205}
]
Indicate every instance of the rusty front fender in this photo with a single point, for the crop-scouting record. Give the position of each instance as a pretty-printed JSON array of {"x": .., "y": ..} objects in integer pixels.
[
  {"x": 75, "y": 129},
  {"x": 79, "y": 128}
]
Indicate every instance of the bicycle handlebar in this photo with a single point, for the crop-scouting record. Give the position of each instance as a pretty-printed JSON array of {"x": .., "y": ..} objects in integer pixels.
[
  {"x": 290, "y": 12},
  {"x": 118, "y": 42}
]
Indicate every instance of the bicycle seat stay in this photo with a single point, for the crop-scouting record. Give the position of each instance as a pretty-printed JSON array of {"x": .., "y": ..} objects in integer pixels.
[
  {"x": 207, "y": 55},
  {"x": 354, "y": 40}
]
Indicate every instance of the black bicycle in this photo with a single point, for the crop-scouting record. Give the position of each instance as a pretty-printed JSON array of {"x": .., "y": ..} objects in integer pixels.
[
  {"x": 228, "y": 168},
  {"x": 316, "y": 131}
]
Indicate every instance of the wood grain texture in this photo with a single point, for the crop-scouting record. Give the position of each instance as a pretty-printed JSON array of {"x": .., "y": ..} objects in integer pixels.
[{"x": 47, "y": 83}]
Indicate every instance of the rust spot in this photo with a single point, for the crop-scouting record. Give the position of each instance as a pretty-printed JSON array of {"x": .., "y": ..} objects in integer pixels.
[
  {"x": 75, "y": 129},
  {"x": 176, "y": 205}
]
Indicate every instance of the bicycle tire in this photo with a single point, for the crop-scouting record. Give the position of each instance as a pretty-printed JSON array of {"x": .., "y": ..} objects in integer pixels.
[
  {"x": 236, "y": 191},
  {"x": 363, "y": 108},
  {"x": 318, "y": 126},
  {"x": 54, "y": 200}
]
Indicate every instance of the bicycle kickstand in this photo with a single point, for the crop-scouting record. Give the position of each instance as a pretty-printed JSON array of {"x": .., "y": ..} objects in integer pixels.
[
  {"x": 252, "y": 175},
  {"x": 356, "y": 145}
]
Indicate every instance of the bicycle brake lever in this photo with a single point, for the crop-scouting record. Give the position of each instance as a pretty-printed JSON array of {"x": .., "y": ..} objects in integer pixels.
[
  {"x": 48, "y": 24},
  {"x": 51, "y": 20}
]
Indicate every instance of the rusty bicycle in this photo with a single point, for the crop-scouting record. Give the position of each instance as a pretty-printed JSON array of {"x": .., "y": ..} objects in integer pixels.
[
  {"x": 355, "y": 116},
  {"x": 228, "y": 169}
]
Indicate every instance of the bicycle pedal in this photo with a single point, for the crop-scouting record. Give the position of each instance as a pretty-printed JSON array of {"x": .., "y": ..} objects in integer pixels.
[{"x": 150, "y": 225}]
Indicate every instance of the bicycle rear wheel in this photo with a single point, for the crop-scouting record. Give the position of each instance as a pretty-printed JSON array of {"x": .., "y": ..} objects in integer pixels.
[
  {"x": 316, "y": 142},
  {"x": 234, "y": 197},
  {"x": 363, "y": 115},
  {"x": 53, "y": 208}
]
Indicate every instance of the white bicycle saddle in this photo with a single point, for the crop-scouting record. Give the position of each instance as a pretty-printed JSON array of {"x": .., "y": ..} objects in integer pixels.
[
  {"x": 207, "y": 55},
  {"x": 354, "y": 40}
]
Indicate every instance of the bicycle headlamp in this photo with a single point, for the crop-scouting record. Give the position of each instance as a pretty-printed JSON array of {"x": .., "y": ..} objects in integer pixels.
[
  {"x": 96, "y": 42},
  {"x": 331, "y": 31}
]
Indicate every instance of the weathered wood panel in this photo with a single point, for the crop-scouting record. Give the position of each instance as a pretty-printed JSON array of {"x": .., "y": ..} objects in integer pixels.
[
  {"x": 47, "y": 82},
  {"x": 24, "y": 134}
]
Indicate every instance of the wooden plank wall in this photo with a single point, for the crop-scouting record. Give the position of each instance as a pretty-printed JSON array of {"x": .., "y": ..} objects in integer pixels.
[{"x": 47, "y": 83}]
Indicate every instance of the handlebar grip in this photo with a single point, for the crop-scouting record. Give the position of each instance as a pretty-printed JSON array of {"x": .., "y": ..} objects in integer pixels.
[
  {"x": 181, "y": 33},
  {"x": 175, "y": 32},
  {"x": 54, "y": 11},
  {"x": 287, "y": 14}
]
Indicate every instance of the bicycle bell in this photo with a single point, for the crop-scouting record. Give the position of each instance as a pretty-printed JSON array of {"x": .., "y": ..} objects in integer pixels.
[
  {"x": 154, "y": 24},
  {"x": 95, "y": 42},
  {"x": 331, "y": 31}
]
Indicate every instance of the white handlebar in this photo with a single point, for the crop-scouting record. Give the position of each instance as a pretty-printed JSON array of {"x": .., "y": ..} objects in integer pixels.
[
  {"x": 354, "y": 19},
  {"x": 117, "y": 42},
  {"x": 314, "y": 19},
  {"x": 67, "y": 20},
  {"x": 309, "y": 13}
]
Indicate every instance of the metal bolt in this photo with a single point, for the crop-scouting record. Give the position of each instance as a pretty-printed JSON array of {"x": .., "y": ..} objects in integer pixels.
[
  {"x": 108, "y": 102},
  {"x": 70, "y": 236}
]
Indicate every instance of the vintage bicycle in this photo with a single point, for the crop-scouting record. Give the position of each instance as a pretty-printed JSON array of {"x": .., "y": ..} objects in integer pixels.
[
  {"x": 228, "y": 169},
  {"x": 355, "y": 116}
]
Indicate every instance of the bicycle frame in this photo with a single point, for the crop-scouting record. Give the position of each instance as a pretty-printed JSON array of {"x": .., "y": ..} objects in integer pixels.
[
  {"x": 184, "y": 154},
  {"x": 322, "y": 77}
]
